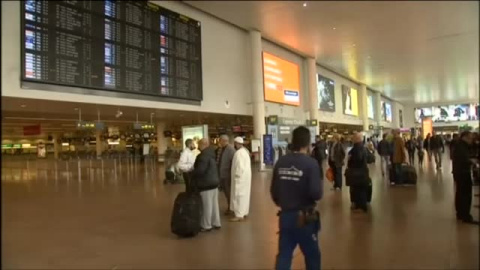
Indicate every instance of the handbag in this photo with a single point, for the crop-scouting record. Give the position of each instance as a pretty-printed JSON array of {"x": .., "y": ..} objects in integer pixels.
[{"x": 329, "y": 175}]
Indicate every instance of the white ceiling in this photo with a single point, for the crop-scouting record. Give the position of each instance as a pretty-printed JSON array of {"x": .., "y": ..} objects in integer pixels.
[{"x": 412, "y": 51}]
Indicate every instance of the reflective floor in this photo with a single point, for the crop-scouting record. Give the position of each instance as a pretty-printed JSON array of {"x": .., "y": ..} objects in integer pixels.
[{"x": 117, "y": 215}]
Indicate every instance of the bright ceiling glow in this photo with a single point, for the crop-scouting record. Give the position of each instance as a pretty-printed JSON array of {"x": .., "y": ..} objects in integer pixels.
[{"x": 305, "y": 4}]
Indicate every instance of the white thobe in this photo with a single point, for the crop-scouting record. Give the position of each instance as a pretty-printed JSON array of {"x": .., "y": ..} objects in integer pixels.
[{"x": 241, "y": 183}]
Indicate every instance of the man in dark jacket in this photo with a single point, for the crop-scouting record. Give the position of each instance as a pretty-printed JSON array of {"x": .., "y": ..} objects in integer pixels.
[
  {"x": 296, "y": 187},
  {"x": 357, "y": 161},
  {"x": 225, "y": 157},
  {"x": 436, "y": 146},
  {"x": 319, "y": 151},
  {"x": 205, "y": 177},
  {"x": 462, "y": 168},
  {"x": 336, "y": 160},
  {"x": 384, "y": 152}
]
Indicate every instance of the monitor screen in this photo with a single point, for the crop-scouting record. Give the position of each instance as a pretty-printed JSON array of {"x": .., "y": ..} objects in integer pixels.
[
  {"x": 350, "y": 100},
  {"x": 281, "y": 80},
  {"x": 441, "y": 114},
  {"x": 371, "y": 111},
  {"x": 388, "y": 112},
  {"x": 326, "y": 93}
]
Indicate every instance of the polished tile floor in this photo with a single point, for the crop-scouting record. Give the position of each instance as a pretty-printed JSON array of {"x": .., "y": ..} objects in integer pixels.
[{"x": 117, "y": 216}]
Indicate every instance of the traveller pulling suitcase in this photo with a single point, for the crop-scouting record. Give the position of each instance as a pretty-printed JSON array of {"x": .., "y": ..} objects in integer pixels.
[
  {"x": 409, "y": 175},
  {"x": 187, "y": 213}
]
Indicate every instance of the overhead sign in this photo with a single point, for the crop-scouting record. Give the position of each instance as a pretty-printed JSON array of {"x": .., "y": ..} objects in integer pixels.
[
  {"x": 281, "y": 80},
  {"x": 31, "y": 130}
]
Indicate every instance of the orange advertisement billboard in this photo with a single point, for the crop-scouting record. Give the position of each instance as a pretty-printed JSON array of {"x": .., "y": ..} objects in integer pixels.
[
  {"x": 427, "y": 126},
  {"x": 281, "y": 80}
]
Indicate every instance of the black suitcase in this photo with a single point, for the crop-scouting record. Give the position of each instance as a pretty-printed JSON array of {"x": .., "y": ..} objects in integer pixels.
[
  {"x": 391, "y": 174},
  {"x": 187, "y": 212},
  {"x": 369, "y": 193},
  {"x": 409, "y": 175}
]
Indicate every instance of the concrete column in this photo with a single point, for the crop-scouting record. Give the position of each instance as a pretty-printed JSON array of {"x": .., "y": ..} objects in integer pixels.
[
  {"x": 161, "y": 141},
  {"x": 362, "y": 96},
  {"x": 395, "y": 115},
  {"x": 378, "y": 110},
  {"x": 257, "y": 84},
  {"x": 56, "y": 145},
  {"x": 312, "y": 90},
  {"x": 98, "y": 143}
]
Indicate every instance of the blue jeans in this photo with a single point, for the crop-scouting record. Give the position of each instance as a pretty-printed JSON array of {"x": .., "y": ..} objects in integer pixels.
[{"x": 291, "y": 236}]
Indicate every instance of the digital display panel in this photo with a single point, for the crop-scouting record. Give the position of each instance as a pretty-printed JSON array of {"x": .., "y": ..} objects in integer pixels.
[
  {"x": 451, "y": 113},
  {"x": 122, "y": 46},
  {"x": 371, "y": 109},
  {"x": 388, "y": 112},
  {"x": 281, "y": 80},
  {"x": 326, "y": 93},
  {"x": 350, "y": 100}
]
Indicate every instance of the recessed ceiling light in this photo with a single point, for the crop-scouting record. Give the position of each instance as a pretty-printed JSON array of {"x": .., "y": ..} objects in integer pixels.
[
  {"x": 23, "y": 105},
  {"x": 334, "y": 28},
  {"x": 353, "y": 45},
  {"x": 76, "y": 109},
  {"x": 305, "y": 4}
]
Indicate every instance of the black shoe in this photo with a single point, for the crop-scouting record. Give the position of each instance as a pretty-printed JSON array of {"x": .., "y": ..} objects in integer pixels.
[
  {"x": 217, "y": 228},
  {"x": 205, "y": 230}
]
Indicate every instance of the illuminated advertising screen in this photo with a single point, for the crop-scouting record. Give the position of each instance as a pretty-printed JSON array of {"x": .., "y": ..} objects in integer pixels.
[
  {"x": 371, "y": 111},
  {"x": 382, "y": 110},
  {"x": 388, "y": 112},
  {"x": 350, "y": 100},
  {"x": 421, "y": 113},
  {"x": 281, "y": 80},
  {"x": 326, "y": 93},
  {"x": 441, "y": 114}
]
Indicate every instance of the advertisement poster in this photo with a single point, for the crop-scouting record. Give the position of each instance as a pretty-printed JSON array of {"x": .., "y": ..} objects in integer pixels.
[
  {"x": 281, "y": 80},
  {"x": 350, "y": 100},
  {"x": 441, "y": 114},
  {"x": 400, "y": 115},
  {"x": 382, "y": 110},
  {"x": 326, "y": 93},
  {"x": 195, "y": 133},
  {"x": 388, "y": 112},
  {"x": 267, "y": 149},
  {"x": 371, "y": 110}
]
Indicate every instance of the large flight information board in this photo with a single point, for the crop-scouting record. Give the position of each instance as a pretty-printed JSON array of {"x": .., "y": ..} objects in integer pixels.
[{"x": 124, "y": 46}]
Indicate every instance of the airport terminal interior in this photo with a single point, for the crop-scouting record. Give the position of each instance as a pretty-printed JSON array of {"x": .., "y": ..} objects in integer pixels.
[{"x": 101, "y": 101}]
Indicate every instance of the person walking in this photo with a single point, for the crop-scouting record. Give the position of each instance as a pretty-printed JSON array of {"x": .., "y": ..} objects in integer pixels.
[
  {"x": 384, "y": 152},
  {"x": 206, "y": 181},
  {"x": 241, "y": 182},
  {"x": 336, "y": 160},
  {"x": 297, "y": 185},
  {"x": 462, "y": 175},
  {"x": 420, "y": 150},
  {"x": 398, "y": 157},
  {"x": 411, "y": 147},
  {"x": 436, "y": 147},
  {"x": 426, "y": 145},
  {"x": 225, "y": 157},
  {"x": 186, "y": 162},
  {"x": 319, "y": 152},
  {"x": 357, "y": 175}
]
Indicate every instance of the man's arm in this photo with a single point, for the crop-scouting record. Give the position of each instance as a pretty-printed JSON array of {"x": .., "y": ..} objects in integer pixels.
[
  {"x": 315, "y": 183},
  {"x": 274, "y": 186},
  {"x": 184, "y": 164}
]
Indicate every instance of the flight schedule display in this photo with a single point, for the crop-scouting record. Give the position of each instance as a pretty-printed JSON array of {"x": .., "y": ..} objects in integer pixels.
[{"x": 123, "y": 46}]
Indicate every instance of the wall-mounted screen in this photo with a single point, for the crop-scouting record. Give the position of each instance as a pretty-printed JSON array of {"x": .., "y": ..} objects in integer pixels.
[
  {"x": 388, "y": 112},
  {"x": 122, "y": 46},
  {"x": 441, "y": 114},
  {"x": 421, "y": 113},
  {"x": 350, "y": 100},
  {"x": 281, "y": 80},
  {"x": 451, "y": 113},
  {"x": 371, "y": 109},
  {"x": 382, "y": 110},
  {"x": 326, "y": 93}
]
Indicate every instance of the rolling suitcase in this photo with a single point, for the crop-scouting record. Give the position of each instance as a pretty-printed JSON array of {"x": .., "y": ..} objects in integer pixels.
[
  {"x": 187, "y": 212},
  {"x": 409, "y": 175},
  {"x": 369, "y": 193}
]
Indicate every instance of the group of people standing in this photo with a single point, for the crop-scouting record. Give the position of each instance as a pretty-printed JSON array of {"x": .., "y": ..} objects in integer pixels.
[{"x": 228, "y": 168}]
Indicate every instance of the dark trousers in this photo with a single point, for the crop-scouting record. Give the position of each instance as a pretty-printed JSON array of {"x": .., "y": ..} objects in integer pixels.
[
  {"x": 186, "y": 179},
  {"x": 337, "y": 174},
  {"x": 463, "y": 195},
  {"x": 291, "y": 236},
  {"x": 397, "y": 169},
  {"x": 411, "y": 157},
  {"x": 226, "y": 185},
  {"x": 358, "y": 196}
]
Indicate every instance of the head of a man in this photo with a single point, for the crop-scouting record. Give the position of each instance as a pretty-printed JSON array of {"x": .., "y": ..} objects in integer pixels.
[
  {"x": 467, "y": 137},
  {"x": 223, "y": 140},
  {"x": 189, "y": 144},
  {"x": 396, "y": 132},
  {"x": 357, "y": 137},
  {"x": 318, "y": 138},
  {"x": 455, "y": 136},
  {"x": 336, "y": 137},
  {"x": 203, "y": 144},
  {"x": 301, "y": 139},
  {"x": 238, "y": 142}
]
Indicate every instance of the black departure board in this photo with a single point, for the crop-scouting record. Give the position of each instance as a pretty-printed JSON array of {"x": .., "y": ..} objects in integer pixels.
[{"x": 125, "y": 46}]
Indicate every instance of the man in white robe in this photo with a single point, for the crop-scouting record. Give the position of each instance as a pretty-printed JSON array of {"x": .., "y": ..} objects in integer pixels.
[{"x": 241, "y": 182}]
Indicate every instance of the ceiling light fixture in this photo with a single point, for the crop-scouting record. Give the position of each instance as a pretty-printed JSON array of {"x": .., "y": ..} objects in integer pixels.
[
  {"x": 76, "y": 109},
  {"x": 334, "y": 28},
  {"x": 353, "y": 45},
  {"x": 23, "y": 105},
  {"x": 305, "y": 4}
]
